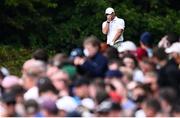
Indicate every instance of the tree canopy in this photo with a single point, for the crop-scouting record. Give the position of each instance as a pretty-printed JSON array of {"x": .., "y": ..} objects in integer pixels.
[{"x": 62, "y": 24}]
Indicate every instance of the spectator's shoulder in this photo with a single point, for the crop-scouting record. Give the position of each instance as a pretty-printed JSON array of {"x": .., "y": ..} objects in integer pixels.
[{"x": 101, "y": 57}]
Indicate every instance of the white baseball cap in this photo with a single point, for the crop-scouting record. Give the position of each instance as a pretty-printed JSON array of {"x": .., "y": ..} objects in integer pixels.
[
  {"x": 175, "y": 47},
  {"x": 88, "y": 103},
  {"x": 127, "y": 46},
  {"x": 67, "y": 104},
  {"x": 109, "y": 10}
]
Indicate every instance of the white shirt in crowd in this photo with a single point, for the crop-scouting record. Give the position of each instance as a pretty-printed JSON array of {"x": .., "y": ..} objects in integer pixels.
[
  {"x": 114, "y": 25},
  {"x": 32, "y": 94}
]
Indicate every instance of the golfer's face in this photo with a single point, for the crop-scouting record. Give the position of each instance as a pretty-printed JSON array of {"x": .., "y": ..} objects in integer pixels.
[{"x": 108, "y": 16}]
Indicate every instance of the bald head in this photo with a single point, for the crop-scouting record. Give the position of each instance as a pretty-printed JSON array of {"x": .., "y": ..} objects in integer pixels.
[{"x": 34, "y": 67}]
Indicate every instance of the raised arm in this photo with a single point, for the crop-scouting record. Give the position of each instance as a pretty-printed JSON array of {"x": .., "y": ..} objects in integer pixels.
[{"x": 105, "y": 27}]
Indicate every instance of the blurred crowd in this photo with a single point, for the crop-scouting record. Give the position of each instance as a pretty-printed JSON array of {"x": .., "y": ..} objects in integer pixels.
[{"x": 97, "y": 80}]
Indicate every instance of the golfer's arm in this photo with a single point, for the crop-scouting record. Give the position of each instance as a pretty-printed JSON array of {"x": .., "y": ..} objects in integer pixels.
[
  {"x": 118, "y": 34},
  {"x": 105, "y": 29}
]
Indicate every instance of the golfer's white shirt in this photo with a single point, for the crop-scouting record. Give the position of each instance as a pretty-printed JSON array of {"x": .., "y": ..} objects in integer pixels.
[{"x": 114, "y": 25}]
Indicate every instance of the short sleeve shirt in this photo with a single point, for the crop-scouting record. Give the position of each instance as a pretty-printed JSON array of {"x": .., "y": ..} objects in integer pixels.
[{"x": 114, "y": 26}]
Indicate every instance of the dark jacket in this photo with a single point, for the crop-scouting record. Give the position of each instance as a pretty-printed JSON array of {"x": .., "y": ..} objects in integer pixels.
[
  {"x": 169, "y": 75},
  {"x": 95, "y": 66}
]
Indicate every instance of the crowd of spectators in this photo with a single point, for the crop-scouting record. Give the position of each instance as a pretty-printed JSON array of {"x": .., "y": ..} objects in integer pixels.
[{"x": 140, "y": 80}]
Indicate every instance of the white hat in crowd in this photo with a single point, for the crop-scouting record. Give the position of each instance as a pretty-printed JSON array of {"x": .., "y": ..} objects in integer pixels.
[
  {"x": 67, "y": 104},
  {"x": 175, "y": 47},
  {"x": 9, "y": 81},
  {"x": 88, "y": 103},
  {"x": 127, "y": 46},
  {"x": 109, "y": 10}
]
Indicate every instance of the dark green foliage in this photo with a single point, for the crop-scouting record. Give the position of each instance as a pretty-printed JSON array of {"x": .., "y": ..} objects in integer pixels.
[
  {"x": 62, "y": 24},
  {"x": 13, "y": 58}
]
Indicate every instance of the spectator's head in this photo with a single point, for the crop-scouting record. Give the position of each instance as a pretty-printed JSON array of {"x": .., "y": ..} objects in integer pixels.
[
  {"x": 58, "y": 59},
  {"x": 113, "y": 74},
  {"x": 91, "y": 46},
  {"x": 81, "y": 87},
  {"x": 32, "y": 71},
  {"x": 40, "y": 54},
  {"x": 110, "y": 11},
  {"x": 103, "y": 109},
  {"x": 174, "y": 50},
  {"x": 9, "y": 81},
  {"x": 159, "y": 55},
  {"x": 141, "y": 54},
  {"x": 34, "y": 67},
  {"x": 150, "y": 78},
  {"x": 95, "y": 86},
  {"x": 18, "y": 91},
  {"x": 101, "y": 96},
  {"x": 172, "y": 37},
  {"x": 51, "y": 70},
  {"x": 130, "y": 61},
  {"x": 146, "y": 40},
  {"x": 71, "y": 70},
  {"x": 47, "y": 89},
  {"x": 103, "y": 47},
  {"x": 115, "y": 110},
  {"x": 31, "y": 108},
  {"x": 8, "y": 103},
  {"x": 49, "y": 108},
  {"x": 87, "y": 107},
  {"x": 66, "y": 105},
  {"x": 60, "y": 80},
  {"x": 147, "y": 65},
  {"x": 168, "y": 97},
  {"x": 127, "y": 74},
  {"x": 119, "y": 88},
  {"x": 138, "y": 93},
  {"x": 114, "y": 64},
  {"x": 151, "y": 107},
  {"x": 127, "y": 47},
  {"x": 111, "y": 53},
  {"x": 108, "y": 108}
]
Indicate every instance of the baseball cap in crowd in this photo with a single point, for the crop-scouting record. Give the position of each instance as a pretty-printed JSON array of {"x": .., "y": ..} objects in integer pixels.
[
  {"x": 5, "y": 71},
  {"x": 66, "y": 103},
  {"x": 146, "y": 38},
  {"x": 71, "y": 70},
  {"x": 175, "y": 47},
  {"x": 113, "y": 73},
  {"x": 9, "y": 81},
  {"x": 104, "y": 106},
  {"x": 88, "y": 103},
  {"x": 109, "y": 10},
  {"x": 127, "y": 46},
  {"x": 50, "y": 106}
]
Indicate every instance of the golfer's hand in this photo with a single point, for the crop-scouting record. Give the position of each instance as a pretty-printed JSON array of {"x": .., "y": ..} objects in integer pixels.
[{"x": 109, "y": 18}]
